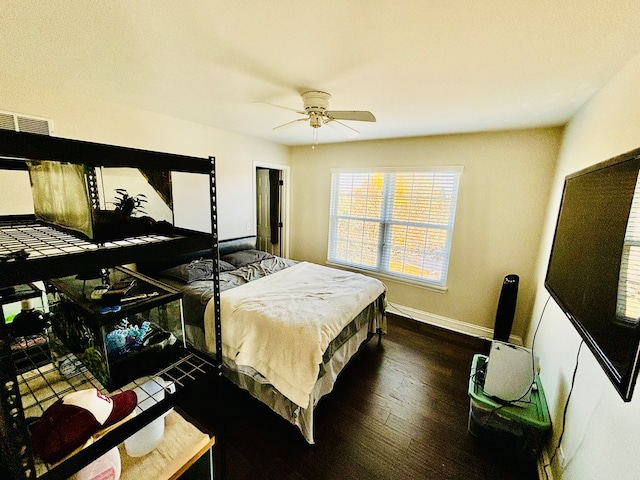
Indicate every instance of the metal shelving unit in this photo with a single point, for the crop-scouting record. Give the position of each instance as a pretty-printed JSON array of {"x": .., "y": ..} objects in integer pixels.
[
  {"x": 42, "y": 386},
  {"x": 57, "y": 253},
  {"x": 53, "y": 250}
]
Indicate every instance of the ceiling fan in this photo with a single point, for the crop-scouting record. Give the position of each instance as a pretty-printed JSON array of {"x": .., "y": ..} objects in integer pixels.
[{"x": 317, "y": 113}]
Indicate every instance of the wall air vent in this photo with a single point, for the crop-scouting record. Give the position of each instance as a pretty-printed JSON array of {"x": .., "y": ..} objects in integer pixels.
[{"x": 25, "y": 123}]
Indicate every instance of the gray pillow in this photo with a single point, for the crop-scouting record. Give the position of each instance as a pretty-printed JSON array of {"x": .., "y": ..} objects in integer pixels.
[
  {"x": 245, "y": 257},
  {"x": 225, "y": 266},
  {"x": 196, "y": 270}
]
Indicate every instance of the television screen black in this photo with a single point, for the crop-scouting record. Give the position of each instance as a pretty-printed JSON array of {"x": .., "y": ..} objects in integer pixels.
[{"x": 594, "y": 267}]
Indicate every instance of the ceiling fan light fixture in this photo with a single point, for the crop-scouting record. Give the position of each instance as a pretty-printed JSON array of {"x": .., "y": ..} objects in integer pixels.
[{"x": 315, "y": 120}]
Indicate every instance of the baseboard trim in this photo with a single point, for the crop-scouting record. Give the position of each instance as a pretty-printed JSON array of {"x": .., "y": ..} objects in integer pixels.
[{"x": 447, "y": 323}]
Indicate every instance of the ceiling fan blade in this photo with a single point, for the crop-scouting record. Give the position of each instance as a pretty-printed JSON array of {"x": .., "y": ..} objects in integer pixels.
[
  {"x": 291, "y": 123},
  {"x": 352, "y": 131},
  {"x": 358, "y": 115},
  {"x": 301, "y": 112}
]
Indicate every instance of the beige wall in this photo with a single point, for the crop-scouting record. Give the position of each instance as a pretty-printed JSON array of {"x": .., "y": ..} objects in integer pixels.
[
  {"x": 502, "y": 201},
  {"x": 92, "y": 119},
  {"x": 602, "y": 432}
]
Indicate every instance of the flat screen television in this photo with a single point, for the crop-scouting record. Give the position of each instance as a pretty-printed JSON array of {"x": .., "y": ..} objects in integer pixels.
[{"x": 594, "y": 266}]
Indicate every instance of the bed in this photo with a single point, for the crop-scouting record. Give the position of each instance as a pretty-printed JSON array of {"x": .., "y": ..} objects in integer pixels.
[{"x": 288, "y": 328}]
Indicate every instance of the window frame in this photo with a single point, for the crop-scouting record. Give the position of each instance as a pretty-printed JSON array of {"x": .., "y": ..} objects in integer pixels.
[{"x": 385, "y": 223}]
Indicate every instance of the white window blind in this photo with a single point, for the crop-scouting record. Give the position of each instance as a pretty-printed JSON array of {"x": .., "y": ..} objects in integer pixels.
[
  {"x": 397, "y": 222},
  {"x": 628, "y": 302}
]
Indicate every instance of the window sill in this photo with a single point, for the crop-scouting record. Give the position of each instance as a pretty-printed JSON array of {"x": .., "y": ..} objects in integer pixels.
[{"x": 384, "y": 276}]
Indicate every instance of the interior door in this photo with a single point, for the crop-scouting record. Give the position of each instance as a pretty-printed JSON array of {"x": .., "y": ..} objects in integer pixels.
[
  {"x": 271, "y": 187},
  {"x": 263, "y": 206}
]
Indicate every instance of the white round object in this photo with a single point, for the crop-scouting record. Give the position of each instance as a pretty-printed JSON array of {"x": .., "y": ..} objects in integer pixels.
[
  {"x": 147, "y": 438},
  {"x": 106, "y": 467}
]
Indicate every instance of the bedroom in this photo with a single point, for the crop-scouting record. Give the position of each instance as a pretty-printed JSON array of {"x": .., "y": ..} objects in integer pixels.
[{"x": 492, "y": 237}]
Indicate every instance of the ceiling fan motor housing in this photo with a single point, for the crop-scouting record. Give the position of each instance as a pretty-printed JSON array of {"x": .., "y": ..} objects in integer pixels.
[{"x": 316, "y": 102}]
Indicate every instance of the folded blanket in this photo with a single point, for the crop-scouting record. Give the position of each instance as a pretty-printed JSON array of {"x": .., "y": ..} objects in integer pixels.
[{"x": 281, "y": 324}]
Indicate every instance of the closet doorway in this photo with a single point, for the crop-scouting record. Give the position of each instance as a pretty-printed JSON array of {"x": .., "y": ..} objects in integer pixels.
[{"x": 271, "y": 189}]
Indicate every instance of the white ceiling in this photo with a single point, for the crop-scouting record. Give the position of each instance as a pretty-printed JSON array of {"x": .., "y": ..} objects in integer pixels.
[{"x": 422, "y": 67}]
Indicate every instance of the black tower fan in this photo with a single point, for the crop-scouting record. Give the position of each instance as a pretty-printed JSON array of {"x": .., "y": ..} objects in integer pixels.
[{"x": 506, "y": 308}]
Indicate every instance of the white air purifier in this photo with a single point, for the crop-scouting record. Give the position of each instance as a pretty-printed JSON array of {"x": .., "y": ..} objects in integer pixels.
[{"x": 510, "y": 373}]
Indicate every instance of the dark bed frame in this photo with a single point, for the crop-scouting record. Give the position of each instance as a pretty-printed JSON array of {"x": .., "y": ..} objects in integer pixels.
[
  {"x": 226, "y": 247},
  {"x": 153, "y": 266}
]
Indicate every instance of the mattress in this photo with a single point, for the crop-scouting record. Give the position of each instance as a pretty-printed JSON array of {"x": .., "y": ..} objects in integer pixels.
[
  {"x": 298, "y": 287},
  {"x": 282, "y": 324}
]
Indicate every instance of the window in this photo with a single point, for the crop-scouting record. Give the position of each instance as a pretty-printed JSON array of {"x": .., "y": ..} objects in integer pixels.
[{"x": 396, "y": 222}]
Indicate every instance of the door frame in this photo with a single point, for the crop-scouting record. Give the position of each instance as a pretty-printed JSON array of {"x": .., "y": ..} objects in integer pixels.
[{"x": 285, "y": 171}]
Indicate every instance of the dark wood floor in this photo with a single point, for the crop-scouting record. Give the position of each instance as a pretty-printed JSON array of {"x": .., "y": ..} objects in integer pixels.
[{"x": 398, "y": 411}]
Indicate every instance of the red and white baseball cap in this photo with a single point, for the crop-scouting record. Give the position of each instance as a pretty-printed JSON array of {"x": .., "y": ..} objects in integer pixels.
[{"x": 67, "y": 424}]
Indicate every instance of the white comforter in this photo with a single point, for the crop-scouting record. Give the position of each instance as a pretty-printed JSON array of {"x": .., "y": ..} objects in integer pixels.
[{"x": 281, "y": 324}]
